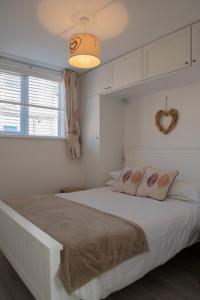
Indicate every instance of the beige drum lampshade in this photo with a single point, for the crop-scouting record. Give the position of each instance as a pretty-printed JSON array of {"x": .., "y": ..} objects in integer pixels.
[{"x": 84, "y": 50}]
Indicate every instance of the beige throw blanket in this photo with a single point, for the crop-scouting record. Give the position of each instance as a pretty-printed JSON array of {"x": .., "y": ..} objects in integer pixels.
[{"x": 94, "y": 242}]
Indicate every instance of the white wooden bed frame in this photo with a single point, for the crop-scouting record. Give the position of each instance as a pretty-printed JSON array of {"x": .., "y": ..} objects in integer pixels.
[
  {"x": 33, "y": 254},
  {"x": 36, "y": 256}
]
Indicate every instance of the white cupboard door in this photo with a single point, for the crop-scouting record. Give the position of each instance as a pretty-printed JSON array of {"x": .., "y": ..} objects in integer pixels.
[
  {"x": 127, "y": 69},
  {"x": 91, "y": 140},
  {"x": 196, "y": 43},
  {"x": 168, "y": 54},
  {"x": 95, "y": 82}
]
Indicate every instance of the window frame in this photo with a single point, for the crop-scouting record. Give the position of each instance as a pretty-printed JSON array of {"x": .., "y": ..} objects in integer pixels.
[{"x": 24, "y": 108}]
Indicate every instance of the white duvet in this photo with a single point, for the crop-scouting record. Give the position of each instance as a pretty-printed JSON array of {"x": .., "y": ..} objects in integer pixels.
[{"x": 169, "y": 226}]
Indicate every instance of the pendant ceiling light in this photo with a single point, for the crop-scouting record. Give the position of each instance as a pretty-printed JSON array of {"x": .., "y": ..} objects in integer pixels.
[{"x": 84, "y": 49}]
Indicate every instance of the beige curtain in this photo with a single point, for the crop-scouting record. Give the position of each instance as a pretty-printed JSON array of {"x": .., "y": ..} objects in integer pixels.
[{"x": 72, "y": 114}]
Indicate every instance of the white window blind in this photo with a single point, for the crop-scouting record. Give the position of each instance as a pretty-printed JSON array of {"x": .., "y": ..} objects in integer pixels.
[{"x": 30, "y": 106}]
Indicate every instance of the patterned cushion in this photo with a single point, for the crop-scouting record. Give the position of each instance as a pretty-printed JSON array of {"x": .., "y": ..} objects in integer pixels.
[
  {"x": 129, "y": 180},
  {"x": 156, "y": 183}
]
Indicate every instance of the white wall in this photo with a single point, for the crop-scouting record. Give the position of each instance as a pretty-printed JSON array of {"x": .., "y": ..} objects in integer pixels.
[
  {"x": 139, "y": 119},
  {"x": 34, "y": 166},
  {"x": 180, "y": 149}
]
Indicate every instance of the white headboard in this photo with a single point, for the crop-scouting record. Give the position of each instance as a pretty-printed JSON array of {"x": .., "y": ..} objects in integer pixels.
[{"x": 186, "y": 160}]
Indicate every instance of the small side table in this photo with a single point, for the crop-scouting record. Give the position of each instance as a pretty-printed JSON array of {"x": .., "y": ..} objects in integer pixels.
[{"x": 70, "y": 189}]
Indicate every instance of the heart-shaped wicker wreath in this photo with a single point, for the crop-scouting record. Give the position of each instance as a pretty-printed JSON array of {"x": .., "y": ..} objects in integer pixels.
[{"x": 173, "y": 113}]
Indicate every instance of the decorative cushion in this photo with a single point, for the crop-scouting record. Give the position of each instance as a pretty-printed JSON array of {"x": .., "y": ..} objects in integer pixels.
[
  {"x": 156, "y": 183},
  {"x": 129, "y": 180}
]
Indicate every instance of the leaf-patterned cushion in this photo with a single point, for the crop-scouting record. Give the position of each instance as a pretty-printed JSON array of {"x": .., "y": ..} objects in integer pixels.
[
  {"x": 156, "y": 183},
  {"x": 129, "y": 180}
]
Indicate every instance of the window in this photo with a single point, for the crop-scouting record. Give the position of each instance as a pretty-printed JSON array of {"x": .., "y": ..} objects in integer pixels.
[{"x": 30, "y": 106}]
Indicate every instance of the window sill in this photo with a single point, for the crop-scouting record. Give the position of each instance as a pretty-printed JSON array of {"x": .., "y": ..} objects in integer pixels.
[{"x": 31, "y": 137}]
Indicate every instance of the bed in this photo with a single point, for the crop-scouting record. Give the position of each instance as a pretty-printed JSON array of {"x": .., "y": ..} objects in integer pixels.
[{"x": 169, "y": 226}]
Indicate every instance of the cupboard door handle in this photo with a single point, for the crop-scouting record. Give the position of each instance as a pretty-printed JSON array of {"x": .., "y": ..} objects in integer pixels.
[
  {"x": 194, "y": 60},
  {"x": 186, "y": 62}
]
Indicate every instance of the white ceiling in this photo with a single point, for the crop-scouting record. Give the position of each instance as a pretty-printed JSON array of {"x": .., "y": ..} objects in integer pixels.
[{"x": 38, "y": 30}]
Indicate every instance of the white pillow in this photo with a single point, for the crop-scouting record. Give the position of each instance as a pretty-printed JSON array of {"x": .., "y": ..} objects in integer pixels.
[
  {"x": 184, "y": 190},
  {"x": 111, "y": 182},
  {"x": 115, "y": 174}
]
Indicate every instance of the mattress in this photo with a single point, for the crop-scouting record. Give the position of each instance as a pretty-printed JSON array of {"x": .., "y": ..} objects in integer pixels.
[{"x": 169, "y": 226}]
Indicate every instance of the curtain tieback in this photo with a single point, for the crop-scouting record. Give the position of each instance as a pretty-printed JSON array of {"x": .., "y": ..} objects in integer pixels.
[{"x": 75, "y": 132}]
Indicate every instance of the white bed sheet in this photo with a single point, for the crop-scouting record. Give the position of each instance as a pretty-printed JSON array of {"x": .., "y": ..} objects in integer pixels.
[{"x": 169, "y": 226}]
